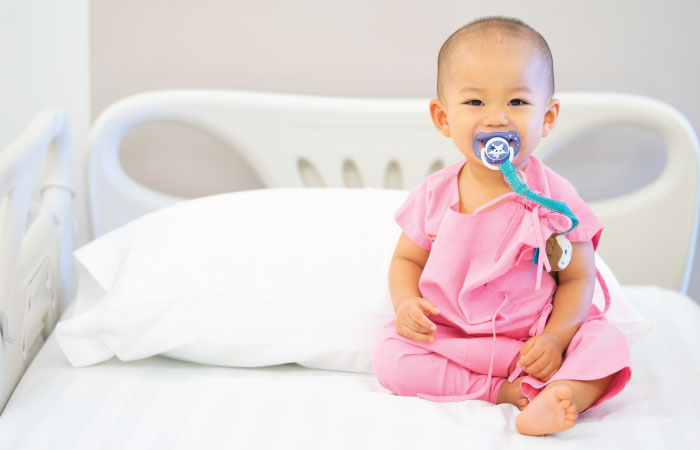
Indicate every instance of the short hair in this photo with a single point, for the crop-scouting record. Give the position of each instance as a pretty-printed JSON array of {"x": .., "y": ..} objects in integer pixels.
[{"x": 510, "y": 27}]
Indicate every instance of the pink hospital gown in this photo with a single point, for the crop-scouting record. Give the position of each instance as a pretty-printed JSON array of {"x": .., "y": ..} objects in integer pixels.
[{"x": 491, "y": 296}]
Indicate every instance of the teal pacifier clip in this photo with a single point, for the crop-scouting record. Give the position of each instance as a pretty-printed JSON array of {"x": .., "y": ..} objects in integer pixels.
[
  {"x": 497, "y": 153},
  {"x": 520, "y": 188}
]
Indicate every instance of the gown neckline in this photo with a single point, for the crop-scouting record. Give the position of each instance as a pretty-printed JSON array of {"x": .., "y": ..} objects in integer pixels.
[{"x": 490, "y": 205}]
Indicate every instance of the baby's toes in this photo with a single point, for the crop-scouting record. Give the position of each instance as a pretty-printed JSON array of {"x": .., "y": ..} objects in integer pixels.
[
  {"x": 571, "y": 413},
  {"x": 563, "y": 393}
]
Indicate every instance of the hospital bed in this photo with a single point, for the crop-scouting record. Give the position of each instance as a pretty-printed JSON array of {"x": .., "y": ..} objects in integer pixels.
[{"x": 307, "y": 150}]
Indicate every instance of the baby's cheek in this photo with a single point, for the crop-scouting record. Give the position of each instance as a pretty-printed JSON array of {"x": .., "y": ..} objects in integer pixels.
[{"x": 520, "y": 161}]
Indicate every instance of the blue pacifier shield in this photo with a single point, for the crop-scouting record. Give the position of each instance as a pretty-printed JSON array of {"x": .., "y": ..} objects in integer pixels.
[{"x": 496, "y": 148}]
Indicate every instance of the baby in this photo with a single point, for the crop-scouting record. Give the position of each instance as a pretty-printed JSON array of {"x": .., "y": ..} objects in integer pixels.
[{"x": 476, "y": 317}]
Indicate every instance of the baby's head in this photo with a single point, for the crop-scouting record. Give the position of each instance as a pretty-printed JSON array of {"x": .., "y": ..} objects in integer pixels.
[
  {"x": 495, "y": 74},
  {"x": 496, "y": 32}
]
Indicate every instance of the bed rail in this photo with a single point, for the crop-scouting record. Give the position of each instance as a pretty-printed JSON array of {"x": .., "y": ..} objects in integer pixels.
[
  {"x": 293, "y": 140},
  {"x": 36, "y": 242}
]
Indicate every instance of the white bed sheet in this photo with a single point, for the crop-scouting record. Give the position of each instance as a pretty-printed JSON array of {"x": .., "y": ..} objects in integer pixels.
[{"x": 167, "y": 404}]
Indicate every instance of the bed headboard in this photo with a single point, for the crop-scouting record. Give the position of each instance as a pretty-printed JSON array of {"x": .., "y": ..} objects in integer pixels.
[
  {"x": 293, "y": 140},
  {"x": 36, "y": 242}
]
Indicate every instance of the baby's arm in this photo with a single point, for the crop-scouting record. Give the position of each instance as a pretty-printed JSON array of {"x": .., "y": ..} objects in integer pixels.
[
  {"x": 541, "y": 355},
  {"x": 404, "y": 273}
]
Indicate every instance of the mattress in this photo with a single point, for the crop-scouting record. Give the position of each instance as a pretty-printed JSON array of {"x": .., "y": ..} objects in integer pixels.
[{"x": 167, "y": 404}]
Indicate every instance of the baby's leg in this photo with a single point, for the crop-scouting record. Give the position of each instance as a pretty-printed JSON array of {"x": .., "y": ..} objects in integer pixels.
[
  {"x": 597, "y": 351},
  {"x": 409, "y": 369},
  {"x": 511, "y": 393},
  {"x": 596, "y": 367},
  {"x": 555, "y": 409}
]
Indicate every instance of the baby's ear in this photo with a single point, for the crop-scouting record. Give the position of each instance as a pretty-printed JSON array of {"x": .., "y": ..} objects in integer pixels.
[
  {"x": 550, "y": 117},
  {"x": 439, "y": 116}
]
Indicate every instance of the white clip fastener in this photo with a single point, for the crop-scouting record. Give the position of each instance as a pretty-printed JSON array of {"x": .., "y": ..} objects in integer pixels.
[
  {"x": 4, "y": 323},
  {"x": 60, "y": 185}
]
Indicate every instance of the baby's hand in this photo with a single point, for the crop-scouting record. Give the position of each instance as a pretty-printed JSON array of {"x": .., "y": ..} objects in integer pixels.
[
  {"x": 412, "y": 320},
  {"x": 541, "y": 356}
]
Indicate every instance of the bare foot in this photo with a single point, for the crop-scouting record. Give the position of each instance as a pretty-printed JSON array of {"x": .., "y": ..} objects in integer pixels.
[
  {"x": 511, "y": 393},
  {"x": 550, "y": 412}
]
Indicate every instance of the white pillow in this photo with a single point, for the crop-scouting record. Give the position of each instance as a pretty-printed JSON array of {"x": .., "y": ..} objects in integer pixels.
[{"x": 253, "y": 278}]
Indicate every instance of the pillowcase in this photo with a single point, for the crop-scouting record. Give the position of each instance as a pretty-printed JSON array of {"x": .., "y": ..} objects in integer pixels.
[
  {"x": 621, "y": 313},
  {"x": 254, "y": 278}
]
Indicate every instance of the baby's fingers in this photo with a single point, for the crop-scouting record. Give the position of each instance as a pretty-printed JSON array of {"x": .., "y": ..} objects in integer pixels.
[
  {"x": 428, "y": 306},
  {"x": 526, "y": 347},
  {"x": 545, "y": 373},
  {"x": 537, "y": 368},
  {"x": 403, "y": 330},
  {"x": 421, "y": 323},
  {"x": 530, "y": 357}
]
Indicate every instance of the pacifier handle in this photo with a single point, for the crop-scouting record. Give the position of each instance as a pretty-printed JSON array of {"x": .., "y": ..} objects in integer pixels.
[
  {"x": 493, "y": 143},
  {"x": 495, "y": 148}
]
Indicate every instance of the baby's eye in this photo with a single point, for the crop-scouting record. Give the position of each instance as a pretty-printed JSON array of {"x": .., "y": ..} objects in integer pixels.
[
  {"x": 517, "y": 102},
  {"x": 473, "y": 102}
]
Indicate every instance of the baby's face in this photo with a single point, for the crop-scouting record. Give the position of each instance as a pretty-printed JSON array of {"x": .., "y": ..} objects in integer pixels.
[{"x": 497, "y": 87}]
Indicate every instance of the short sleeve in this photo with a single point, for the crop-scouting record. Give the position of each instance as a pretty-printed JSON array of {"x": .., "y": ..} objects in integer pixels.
[
  {"x": 411, "y": 216},
  {"x": 589, "y": 227}
]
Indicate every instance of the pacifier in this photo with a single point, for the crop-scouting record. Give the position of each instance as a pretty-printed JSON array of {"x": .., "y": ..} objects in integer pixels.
[{"x": 496, "y": 148}]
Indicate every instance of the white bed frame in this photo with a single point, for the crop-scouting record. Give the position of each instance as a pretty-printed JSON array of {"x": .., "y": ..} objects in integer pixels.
[
  {"x": 294, "y": 140},
  {"x": 36, "y": 242}
]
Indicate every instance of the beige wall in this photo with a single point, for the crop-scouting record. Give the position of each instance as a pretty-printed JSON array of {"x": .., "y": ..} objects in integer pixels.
[
  {"x": 380, "y": 48},
  {"x": 44, "y": 65}
]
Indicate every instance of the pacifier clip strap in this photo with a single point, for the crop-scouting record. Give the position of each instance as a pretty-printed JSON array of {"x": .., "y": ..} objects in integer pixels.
[
  {"x": 522, "y": 189},
  {"x": 497, "y": 153}
]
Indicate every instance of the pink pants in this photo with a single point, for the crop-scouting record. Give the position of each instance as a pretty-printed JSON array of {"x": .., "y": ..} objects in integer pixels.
[{"x": 450, "y": 368}]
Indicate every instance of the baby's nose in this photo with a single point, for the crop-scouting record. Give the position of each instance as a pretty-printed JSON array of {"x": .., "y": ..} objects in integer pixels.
[{"x": 495, "y": 119}]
